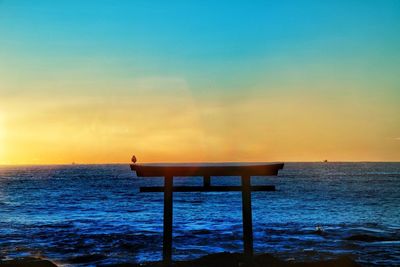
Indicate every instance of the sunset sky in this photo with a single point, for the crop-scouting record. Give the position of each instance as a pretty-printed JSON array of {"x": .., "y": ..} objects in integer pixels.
[{"x": 98, "y": 81}]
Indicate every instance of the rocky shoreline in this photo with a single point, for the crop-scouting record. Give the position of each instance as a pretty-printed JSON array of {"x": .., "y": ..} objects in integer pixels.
[{"x": 212, "y": 260}]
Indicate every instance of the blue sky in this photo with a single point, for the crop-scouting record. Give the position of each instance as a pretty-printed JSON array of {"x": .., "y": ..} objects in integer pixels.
[{"x": 340, "y": 57}]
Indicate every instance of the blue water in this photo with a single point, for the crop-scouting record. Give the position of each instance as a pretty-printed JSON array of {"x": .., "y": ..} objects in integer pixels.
[{"x": 63, "y": 212}]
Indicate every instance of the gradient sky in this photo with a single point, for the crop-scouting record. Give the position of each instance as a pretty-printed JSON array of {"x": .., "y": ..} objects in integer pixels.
[{"x": 96, "y": 81}]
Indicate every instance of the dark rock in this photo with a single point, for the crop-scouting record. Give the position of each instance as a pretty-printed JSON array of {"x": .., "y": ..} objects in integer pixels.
[
  {"x": 340, "y": 262},
  {"x": 122, "y": 265},
  {"x": 215, "y": 260},
  {"x": 87, "y": 258},
  {"x": 269, "y": 260},
  {"x": 27, "y": 262},
  {"x": 263, "y": 260}
]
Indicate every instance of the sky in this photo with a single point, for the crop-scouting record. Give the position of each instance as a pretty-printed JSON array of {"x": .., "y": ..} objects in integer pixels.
[{"x": 98, "y": 81}]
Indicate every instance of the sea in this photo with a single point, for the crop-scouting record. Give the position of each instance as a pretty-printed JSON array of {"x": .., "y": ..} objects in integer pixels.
[{"x": 90, "y": 215}]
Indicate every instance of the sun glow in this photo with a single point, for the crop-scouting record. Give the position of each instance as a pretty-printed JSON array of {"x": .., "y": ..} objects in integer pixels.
[
  {"x": 179, "y": 83},
  {"x": 2, "y": 139}
]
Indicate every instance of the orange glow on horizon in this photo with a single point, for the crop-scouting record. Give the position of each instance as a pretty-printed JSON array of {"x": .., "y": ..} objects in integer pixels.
[
  {"x": 179, "y": 127},
  {"x": 185, "y": 82}
]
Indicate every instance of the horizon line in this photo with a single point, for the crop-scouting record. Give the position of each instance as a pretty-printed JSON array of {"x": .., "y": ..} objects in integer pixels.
[{"x": 128, "y": 163}]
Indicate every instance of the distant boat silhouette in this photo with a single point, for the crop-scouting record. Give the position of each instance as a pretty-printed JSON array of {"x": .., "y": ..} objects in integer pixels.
[{"x": 326, "y": 160}]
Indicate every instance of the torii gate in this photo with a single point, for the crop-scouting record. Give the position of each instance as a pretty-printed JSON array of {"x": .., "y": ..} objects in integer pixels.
[{"x": 207, "y": 170}]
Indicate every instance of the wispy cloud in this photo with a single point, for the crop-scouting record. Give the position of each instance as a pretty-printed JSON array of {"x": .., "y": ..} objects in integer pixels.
[{"x": 397, "y": 138}]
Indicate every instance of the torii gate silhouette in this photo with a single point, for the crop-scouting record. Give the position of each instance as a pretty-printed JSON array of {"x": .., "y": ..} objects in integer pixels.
[{"x": 207, "y": 170}]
